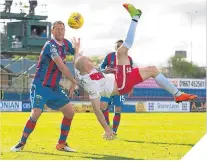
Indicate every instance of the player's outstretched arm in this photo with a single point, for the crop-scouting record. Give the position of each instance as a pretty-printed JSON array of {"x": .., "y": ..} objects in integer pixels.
[
  {"x": 96, "y": 107},
  {"x": 76, "y": 43}
]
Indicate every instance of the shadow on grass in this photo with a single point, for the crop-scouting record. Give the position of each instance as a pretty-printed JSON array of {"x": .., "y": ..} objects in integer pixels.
[
  {"x": 108, "y": 157},
  {"x": 47, "y": 153},
  {"x": 90, "y": 155},
  {"x": 133, "y": 141}
]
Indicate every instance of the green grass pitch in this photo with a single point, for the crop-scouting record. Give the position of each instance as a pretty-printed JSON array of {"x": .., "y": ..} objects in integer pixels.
[{"x": 140, "y": 136}]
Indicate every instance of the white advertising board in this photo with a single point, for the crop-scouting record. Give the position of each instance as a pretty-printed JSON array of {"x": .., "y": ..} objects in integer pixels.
[
  {"x": 167, "y": 106},
  {"x": 10, "y": 106}
]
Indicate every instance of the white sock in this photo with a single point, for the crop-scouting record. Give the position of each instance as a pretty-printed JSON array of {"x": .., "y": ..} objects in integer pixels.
[
  {"x": 131, "y": 32},
  {"x": 168, "y": 86}
]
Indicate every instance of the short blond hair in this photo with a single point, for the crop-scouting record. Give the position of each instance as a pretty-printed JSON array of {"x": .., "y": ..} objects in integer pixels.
[{"x": 57, "y": 22}]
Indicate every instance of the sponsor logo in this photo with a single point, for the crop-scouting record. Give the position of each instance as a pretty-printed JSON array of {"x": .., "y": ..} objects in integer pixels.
[
  {"x": 179, "y": 83},
  {"x": 151, "y": 106},
  {"x": 168, "y": 106},
  {"x": 10, "y": 106},
  {"x": 198, "y": 106},
  {"x": 184, "y": 106},
  {"x": 38, "y": 99},
  {"x": 26, "y": 105},
  {"x": 191, "y": 83}
]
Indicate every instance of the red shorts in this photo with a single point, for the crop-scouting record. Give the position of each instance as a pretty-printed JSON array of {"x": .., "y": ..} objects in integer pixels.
[{"x": 126, "y": 78}]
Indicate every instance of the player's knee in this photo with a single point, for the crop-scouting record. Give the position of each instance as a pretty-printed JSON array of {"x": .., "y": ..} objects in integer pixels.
[
  {"x": 35, "y": 113},
  {"x": 104, "y": 105},
  {"x": 68, "y": 111},
  {"x": 117, "y": 109},
  {"x": 122, "y": 51},
  {"x": 153, "y": 70},
  {"x": 70, "y": 114}
]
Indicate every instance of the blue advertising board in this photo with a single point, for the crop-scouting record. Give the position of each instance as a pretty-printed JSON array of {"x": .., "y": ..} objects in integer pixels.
[{"x": 26, "y": 106}]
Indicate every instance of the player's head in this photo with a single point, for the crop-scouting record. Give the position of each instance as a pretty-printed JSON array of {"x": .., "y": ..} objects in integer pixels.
[
  {"x": 118, "y": 44},
  {"x": 58, "y": 30},
  {"x": 84, "y": 64}
]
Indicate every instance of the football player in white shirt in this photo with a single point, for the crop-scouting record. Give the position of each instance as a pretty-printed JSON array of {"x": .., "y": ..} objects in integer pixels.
[{"x": 99, "y": 84}]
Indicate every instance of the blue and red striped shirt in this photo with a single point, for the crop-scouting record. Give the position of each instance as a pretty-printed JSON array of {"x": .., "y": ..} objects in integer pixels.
[
  {"x": 110, "y": 60},
  {"x": 47, "y": 71}
]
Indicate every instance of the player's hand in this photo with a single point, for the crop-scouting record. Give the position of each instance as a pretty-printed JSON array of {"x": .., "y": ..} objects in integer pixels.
[
  {"x": 76, "y": 43},
  {"x": 109, "y": 70},
  {"x": 72, "y": 89},
  {"x": 108, "y": 134}
]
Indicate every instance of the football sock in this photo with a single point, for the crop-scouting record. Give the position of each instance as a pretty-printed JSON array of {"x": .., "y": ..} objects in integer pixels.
[
  {"x": 116, "y": 121},
  {"x": 65, "y": 128},
  {"x": 131, "y": 32},
  {"x": 106, "y": 115},
  {"x": 29, "y": 127},
  {"x": 168, "y": 86}
]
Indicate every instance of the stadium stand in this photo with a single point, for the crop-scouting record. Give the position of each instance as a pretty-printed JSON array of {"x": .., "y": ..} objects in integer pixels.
[
  {"x": 139, "y": 94},
  {"x": 24, "y": 64}
]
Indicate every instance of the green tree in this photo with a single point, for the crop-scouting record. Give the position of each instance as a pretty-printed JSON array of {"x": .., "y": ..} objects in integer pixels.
[
  {"x": 180, "y": 68},
  {"x": 30, "y": 57},
  {"x": 33, "y": 57}
]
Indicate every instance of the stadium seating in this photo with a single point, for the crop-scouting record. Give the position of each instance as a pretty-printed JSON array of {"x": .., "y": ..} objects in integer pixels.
[
  {"x": 139, "y": 94},
  {"x": 24, "y": 64},
  {"x": 158, "y": 94}
]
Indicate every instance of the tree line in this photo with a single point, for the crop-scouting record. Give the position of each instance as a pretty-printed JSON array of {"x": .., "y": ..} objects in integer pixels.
[{"x": 177, "y": 67}]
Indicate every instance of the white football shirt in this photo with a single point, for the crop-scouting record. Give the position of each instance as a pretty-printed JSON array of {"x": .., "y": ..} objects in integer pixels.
[{"x": 96, "y": 83}]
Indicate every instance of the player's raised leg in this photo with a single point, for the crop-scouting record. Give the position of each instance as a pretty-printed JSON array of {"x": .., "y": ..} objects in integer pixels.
[
  {"x": 122, "y": 52},
  {"x": 162, "y": 81},
  {"x": 152, "y": 71}
]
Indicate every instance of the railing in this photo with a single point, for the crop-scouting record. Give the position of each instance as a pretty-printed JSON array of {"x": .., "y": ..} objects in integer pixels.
[
  {"x": 14, "y": 82},
  {"x": 22, "y": 6},
  {"x": 18, "y": 82}
]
